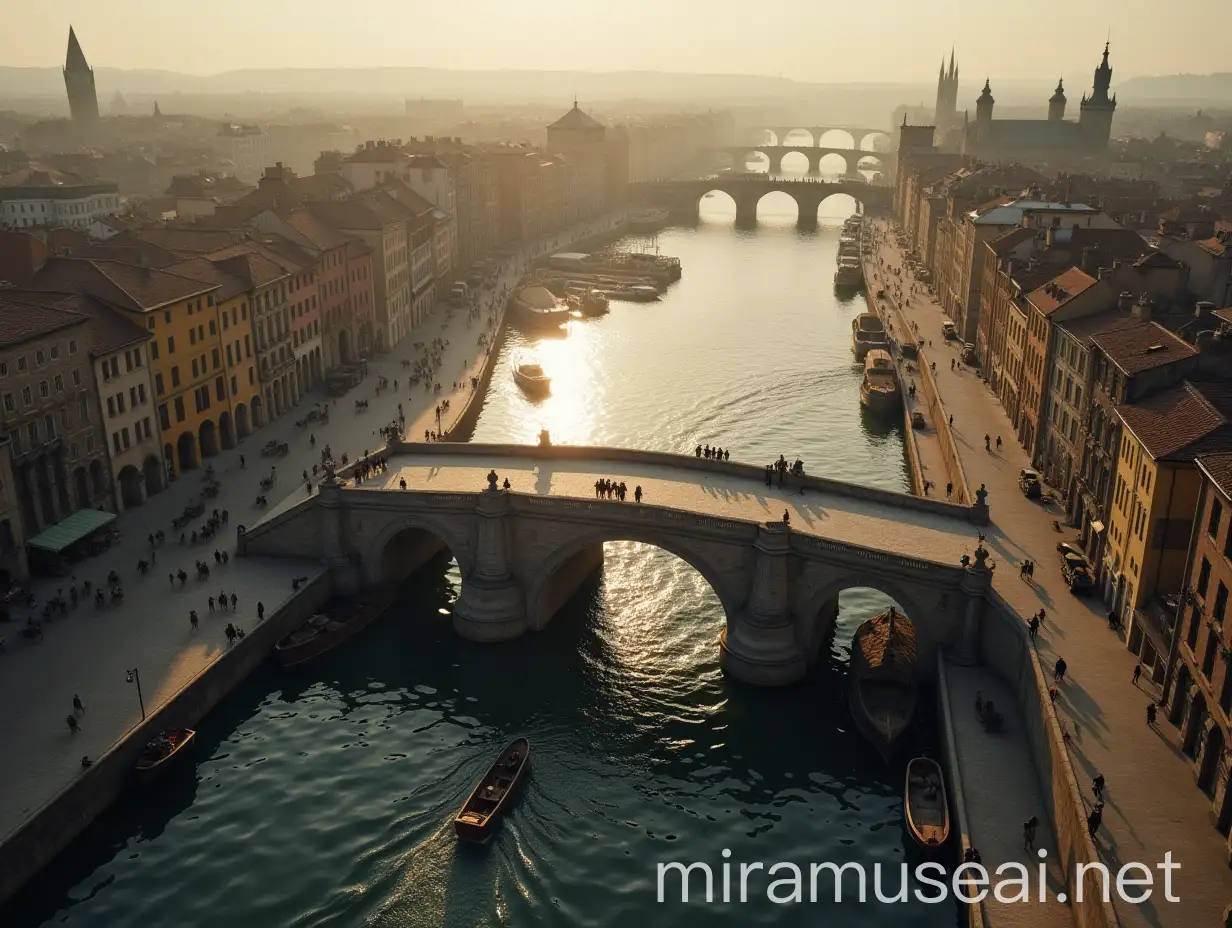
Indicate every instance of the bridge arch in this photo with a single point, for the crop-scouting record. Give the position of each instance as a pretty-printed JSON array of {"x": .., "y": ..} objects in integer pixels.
[
  {"x": 837, "y": 138},
  {"x": 405, "y": 544},
  {"x": 777, "y": 207},
  {"x": 717, "y": 205},
  {"x": 795, "y": 162},
  {"x": 871, "y": 140},
  {"x": 577, "y": 558}
]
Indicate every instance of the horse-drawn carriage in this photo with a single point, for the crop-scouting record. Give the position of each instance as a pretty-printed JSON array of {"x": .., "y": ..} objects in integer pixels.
[
  {"x": 317, "y": 414},
  {"x": 275, "y": 448}
]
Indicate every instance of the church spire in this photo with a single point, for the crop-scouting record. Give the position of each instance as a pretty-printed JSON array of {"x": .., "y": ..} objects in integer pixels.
[
  {"x": 75, "y": 60},
  {"x": 953, "y": 71}
]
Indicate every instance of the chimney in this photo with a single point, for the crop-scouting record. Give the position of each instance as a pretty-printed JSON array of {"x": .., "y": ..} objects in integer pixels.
[
  {"x": 1090, "y": 261},
  {"x": 1125, "y": 302},
  {"x": 1142, "y": 308},
  {"x": 1203, "y": 310},
  {"x": 1050, "y": 236}
]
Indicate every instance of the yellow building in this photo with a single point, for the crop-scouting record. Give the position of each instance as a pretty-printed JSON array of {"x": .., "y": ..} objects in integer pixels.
[
  {"x": 186, "y": 348},
  {"x": 1156, "y": 490}
]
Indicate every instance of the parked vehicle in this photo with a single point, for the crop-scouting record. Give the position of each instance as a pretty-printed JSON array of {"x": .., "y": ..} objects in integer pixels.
[
  {"x": 948, "y": 331},
  {"x": 1078, "y": 576},
  {"x": 1029, "y": 483},
  {"x": 969, "y": 355}
]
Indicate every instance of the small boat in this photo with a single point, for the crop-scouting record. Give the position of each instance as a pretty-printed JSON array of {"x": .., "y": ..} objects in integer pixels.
[
  {"x": 883, "y": 691},
  {"x": 848, "y": 273},
  {"x": 482, "y": 811},
  {"x": 323, "y": 633},
  {"x": 648, "y": 220},
  {"x": 924, "y": 803},
  {"x": 530, "y": 377},
  {"x": 537, "y": 305},
  {"x": 867, "y": 333},
  {"x": 879, "y": 389},
  {"x": 594, "y": 303},
  {"x": 161, "y": 752},
  {"x": 642, "y": 293}
]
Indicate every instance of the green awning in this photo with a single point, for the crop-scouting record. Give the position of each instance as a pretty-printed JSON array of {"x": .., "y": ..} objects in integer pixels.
[{"x": 76, "y": 527}]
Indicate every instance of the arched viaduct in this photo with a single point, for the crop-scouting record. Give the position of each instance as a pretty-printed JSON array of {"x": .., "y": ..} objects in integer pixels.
[
  {"x": 684, "y": 196},
  {"x": 776, "y": 154},
  {"x": 859, "y": 135},
  {"x": 523, "y": 554}
]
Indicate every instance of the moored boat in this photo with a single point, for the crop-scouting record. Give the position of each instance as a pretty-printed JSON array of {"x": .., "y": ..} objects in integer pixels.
[
  {"x": 882, "y": 686},
  {"x": 537, "y": 305},
  {"x": 648, "y": 220},
  {"x": 924, "y": 803},
  {"x": 162, "y": 752},
  {"x": 322, "y": 632},
  {"x": 867, "y": 333},
  {"x": 879, "y": 388},
  {"x": 482, "y": 811},
  {"x": 848, "y": 273},
  {"x": 594, "y": 303}
]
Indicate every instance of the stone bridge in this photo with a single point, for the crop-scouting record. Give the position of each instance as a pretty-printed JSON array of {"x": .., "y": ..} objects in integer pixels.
[
  {"x": 776, "y": 154},
  {"x": 684, "y": 196},
  {"x": 859, "y": 135},
  {"x": 524, "y": 552}
]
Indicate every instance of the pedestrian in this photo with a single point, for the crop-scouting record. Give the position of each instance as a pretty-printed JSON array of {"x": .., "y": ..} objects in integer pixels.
[
  {"x": 949, "y": 489},
  {"x": 998, "y": 442},
  {"x": 211, "y": 604},
  {"x": 171, "y": 577},
  {"x": 242, "y": 465},
  {"x": 260, "y": 610},
  {"x": 72, "y": 724},
  {"x": 229, "y": 631},
  {"x": 1150, "y": 714},
  {"x": 951, "y": 420},
  {"x": 1137, "y": 673},
  {"x": 77, "y": 706},
  {"x": 987, "y": 442},
  {"x": 637, "y": 494},
  {"x": 234, "y": 600},
  {"x": 192, "y": 618},
  {"x": 1041, "y": 615},
  {"x": 1033, "y": 626},
  {"x": 1028, "y": 833},
  {"x": 786, "y": 517},
  {"x": 1095, "y": 819},
  {"x": 153, "y": 557},
  {"x": 1058, "y": 670},
  {"x": 1097, "y": 786}
]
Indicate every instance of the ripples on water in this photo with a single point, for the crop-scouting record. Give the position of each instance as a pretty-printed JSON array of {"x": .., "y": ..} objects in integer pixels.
[{"x": 325, "y": 794}]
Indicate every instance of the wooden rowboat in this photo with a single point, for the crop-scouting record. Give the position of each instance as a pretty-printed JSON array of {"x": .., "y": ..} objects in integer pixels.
[
  {"x": 323, "y": 633},
  {"x": 162, "y": 752},
  {"x": 882, "y": 687},
  {"x": 482, "y": 811},
  {"x": 924, "y": 803}
]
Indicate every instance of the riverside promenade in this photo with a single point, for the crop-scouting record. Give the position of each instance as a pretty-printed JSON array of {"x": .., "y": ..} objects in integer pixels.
[
  {"x": 1152, "y": 804},
  {"x": 89, "y": 651}
]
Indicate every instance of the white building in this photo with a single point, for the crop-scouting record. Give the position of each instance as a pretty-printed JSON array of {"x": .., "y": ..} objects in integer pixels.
[
  {"x": 246, "y": 146},
  {"x": 34, "y": 196},
  {"x": 119, "y": 357}
]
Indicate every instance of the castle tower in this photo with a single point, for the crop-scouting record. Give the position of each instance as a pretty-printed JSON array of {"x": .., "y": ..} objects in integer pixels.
[
  {"x": 983, "y": 106},
  {"x": 79, "y": 83},
  {"x": 1056, "y": 104},
  {"x": 1097, "y": 110}
]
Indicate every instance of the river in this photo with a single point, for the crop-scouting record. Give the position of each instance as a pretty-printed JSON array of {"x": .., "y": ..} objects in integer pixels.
[{"x": 324, "y": 795}]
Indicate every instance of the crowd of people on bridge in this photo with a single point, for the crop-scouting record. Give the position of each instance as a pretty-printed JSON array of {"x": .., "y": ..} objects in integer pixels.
[{"x": 611, "y": 489}]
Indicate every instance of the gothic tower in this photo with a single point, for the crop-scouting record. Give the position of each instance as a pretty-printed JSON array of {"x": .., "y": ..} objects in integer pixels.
[
  {"x": 1098, "y": 108},
  {"x": 1056, "y": 104},
  {"x": 79, "y": 82},
  {"x": 946, "y": 113}
]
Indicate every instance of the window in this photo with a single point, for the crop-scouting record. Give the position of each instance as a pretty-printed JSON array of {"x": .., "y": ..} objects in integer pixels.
[
  {"x": 153, "y": 351},
  {"x": 76, "y": 378},
  {"x": 192, "y": 336},
  {"x": 179, "y": 409},
  {"x": 115, "y": 441},
  {"x": 124, "y": 435},
  {"x": 234, "y": 386},
  {"x": 1208, "y": 656},
  {"x": 220, "y": 389},
  {"x": 110, "y": 406},
  {"x": 213, "y": 328},
  {"x": 194, "y": 368},
  {"x": 40, "y": 358},
  {"x": 21, "y": 364},
  {"x": 32, "y": 434},
  {"x": 83, "y": 407},
  {"x": 89, "y": 444},
  {"x": 217, "y": 356},
  {"x": 44, "y": 389},
  {"x": 175, "y": 376},
  {"x": 59, "y": 382},
  {"x": 120, "y": 401},
  {"x": 164, "y": 420},
  {"x": 27, "y": 396},
  {"x": 140, "y": 394},
  {"x": 1221, "y": 602},
  {"x": 170, "y": 344},
  {"x": 158, "y": 384},
  {"x": 55, "y": 352},
  {"x": 1204, "y": 576},
  {"x": 1212, "y": 522}
]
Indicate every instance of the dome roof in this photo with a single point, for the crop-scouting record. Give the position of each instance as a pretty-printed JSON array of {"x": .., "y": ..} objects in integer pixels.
[{"x": 1059, "y": 96}]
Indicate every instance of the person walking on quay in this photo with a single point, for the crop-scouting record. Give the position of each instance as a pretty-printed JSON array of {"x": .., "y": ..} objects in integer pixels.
[
  {"x": 1097, "y": 786},
  {"x": 998, "y": 442},
  {"x": 786, "y": 518},
  {"x": 192, "y": 618},
  {"x": 1058, "y": 670},
  {"x": 1095, "y": 819},
  {"x": 987, "y": 442},
  {"x": 260, "y": 611},
  {"x": 1041, "y": 616},
  {"x": 242, "y": 465},
  {"x": 1137, "y": 673},
  {"x": 229, "y": 631},
  {"x": 637, "y": 494},
  {"x": 1033, "y": 626},
  {"x": 1028, "y": 833},
  {"x": 951, "y": 420},
  {"x": 72, "y": 724},
  {"x": 949, "y": 490},
  {"x": 171, "y": 577},
  {"x": 211, "y": 604},
  {"x": 78, "y": 708},
  {"x": 1150, "y": 714}
]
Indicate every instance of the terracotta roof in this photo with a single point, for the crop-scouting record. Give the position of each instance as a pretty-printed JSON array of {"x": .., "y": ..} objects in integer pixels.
[
  {"x": 1183, "y": 422},
  {"x": 203, "y": 269},
  {"x": 1225, "y": 314},
  {"x": 182, "y": 241},
  {"x": 124, "y": 285},
  {"x": 1141, "y": 347},
  {"x": 377, "y": 154},
  {"x": 1157, "y": 259},
  {"x": 34, "y": 176},
  {"x": 1085, "y": 328},
  {"x": 404, "y": 195},
  {"x": 252, "y": 264},
  {"x": 318, "y": 232},
  {"x": 1218, "y": 469},
  {"x": 1058, "y": 291},
  {"x": 21, "y": 321},
  {"x": 143, "y": 254},
  {"x": 284, "y": 252},
  {"x": 349, "y": 214}
]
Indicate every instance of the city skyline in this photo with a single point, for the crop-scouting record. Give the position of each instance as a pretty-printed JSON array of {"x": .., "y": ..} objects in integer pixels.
[{"x": 641, "y": 35}]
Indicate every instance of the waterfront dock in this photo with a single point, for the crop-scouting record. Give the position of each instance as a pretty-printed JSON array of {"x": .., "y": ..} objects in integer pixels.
[{"x": 1103, "y": 708}]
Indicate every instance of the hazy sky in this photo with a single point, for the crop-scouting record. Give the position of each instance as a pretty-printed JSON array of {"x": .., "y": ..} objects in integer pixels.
[{"x": 815, "y": 40}]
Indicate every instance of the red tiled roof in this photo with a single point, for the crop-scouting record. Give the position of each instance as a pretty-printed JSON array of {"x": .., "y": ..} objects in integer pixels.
[
  {"x": 1058, "y": 291},
  {"x": 349, "y": 214},
  {"x": 1141, "y": 347},
  {"x": 183, "y": 241},
  {"x": 203, "y": 269},
  {"x": 377, "y": 154},
  {"x": 1218, "y": 469},
  {"x": 250, "y": 263},
  {"x": 21, "y": 321},
  {"x": 311, "y": 227},
  {"x": 1183, "y": 422},
  {"x": 1086, "y": 328},
  {"x": 124, "y": 285}
]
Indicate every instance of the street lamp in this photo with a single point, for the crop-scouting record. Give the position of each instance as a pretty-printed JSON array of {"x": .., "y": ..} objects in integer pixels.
[{"x": 132, "y": 676}]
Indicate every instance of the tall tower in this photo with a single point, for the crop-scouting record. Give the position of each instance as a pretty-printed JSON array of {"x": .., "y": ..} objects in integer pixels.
[
  {"x": 983, "y": 106},
  {"x": 79, "y": 82},
  {"x": 1056, "y": 103},
  {"x": 1098, "y": 108},
  {"x": 947, "y": 96}
]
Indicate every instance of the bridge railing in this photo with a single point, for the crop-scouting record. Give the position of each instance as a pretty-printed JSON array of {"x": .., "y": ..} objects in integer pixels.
[{"x": 690, "y": 462}]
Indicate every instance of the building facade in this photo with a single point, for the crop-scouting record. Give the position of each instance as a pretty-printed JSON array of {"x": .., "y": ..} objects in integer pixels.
[{"x": 34, "y": 197}]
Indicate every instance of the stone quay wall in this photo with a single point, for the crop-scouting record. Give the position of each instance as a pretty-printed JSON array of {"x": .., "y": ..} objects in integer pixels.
[
  {"x": 1007, "y": 649},
  {"x": 62, "y": 818}
]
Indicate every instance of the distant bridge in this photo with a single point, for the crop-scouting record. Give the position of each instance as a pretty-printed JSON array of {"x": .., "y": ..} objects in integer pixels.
[
  {"x": 859, "y": 134},
  {"x": 523, "y": 553},
  {"x": 776, "y": 153},
  {"x": 684, "y": 196}
]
